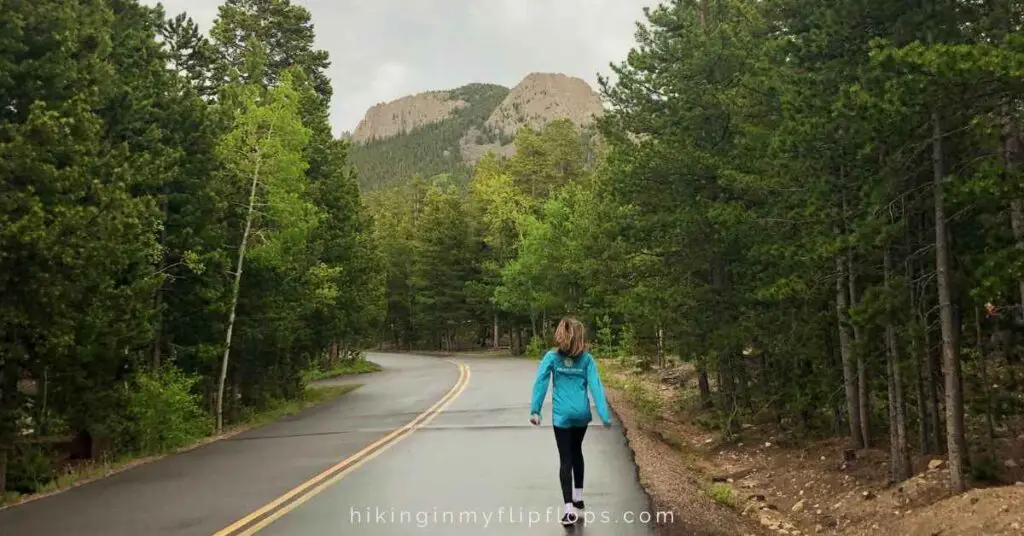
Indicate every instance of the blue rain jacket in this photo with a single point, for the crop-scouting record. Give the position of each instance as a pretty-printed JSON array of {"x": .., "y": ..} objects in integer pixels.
[{"x": 571, "y": 380}]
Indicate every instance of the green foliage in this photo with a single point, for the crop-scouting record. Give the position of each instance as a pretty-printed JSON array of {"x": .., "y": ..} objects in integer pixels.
[
  {"x": 605, "y": 343},
  {"x": 627, "y": 347},
  {"x": 123, "y": 186},
  {"x": 537, "y": 347},
  {"x": 163, "y": 412},
  {"x": 647, "y": 404},
  {"x": 30, "y": 467},
  {"x": 986, "y": 469},
  {"x": 359, "y": 366},
  {"x": 722, "y": 494}
]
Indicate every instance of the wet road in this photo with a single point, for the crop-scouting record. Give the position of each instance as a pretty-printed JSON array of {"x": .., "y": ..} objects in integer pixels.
[{"x": 472, "y": 465}]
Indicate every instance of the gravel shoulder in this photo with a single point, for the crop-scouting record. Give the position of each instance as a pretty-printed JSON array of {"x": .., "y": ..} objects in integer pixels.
[{"x": 673, "y": 486}]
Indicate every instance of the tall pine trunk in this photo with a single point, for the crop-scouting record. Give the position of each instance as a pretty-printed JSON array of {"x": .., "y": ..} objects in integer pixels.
[
  {"x": 235, "y": 288},
  {"x": 859, "y": 349},
  {"x": 919, "y": 352},
  {"x": 10, "y": 373},
  {"x": 846, "y": 351},
  {"x": 497, "y": 333},
  {"x": 704, "y": 383},
  {"x": 950, "y": 355},
  {"x": 158, "y": 298},
  {"x": 990, "y": 423},
  {"x": 661, "y": 343},
  {"x": 899, "y": 452}
]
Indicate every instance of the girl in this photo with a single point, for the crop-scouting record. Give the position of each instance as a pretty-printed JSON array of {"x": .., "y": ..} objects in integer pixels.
[{"x": 572, "y": 371}]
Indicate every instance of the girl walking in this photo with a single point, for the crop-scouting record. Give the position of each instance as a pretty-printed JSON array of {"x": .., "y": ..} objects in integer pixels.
[{"x": 573, "y": 372}]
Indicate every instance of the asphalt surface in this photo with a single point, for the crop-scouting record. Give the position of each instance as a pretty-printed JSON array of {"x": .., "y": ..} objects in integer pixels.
[{"x": 477, "y": 467}]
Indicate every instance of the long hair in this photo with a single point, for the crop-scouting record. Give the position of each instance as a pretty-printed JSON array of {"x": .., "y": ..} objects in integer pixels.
[{"x": 570, "y": 337}]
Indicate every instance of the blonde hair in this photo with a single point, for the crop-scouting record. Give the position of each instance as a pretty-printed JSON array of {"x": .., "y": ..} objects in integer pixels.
[{"x": 570, "y": 337}]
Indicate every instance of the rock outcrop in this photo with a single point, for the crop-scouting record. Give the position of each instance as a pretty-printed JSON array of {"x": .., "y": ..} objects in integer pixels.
[
  {"x": 543, "y": 97},
  {"x": 388, "y": 119}
]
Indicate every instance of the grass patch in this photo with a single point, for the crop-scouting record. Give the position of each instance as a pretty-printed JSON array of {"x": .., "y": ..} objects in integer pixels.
[
  {"x": 94, "y": 470},
  {"x": 646, "y": 403},
  {"x": 721, "y": 494},
  {"x": 361, "y": 366},
  {"x": 313, "y": 396}
]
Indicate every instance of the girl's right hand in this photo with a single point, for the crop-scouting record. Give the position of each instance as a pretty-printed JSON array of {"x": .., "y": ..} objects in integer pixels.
[{"x": 535, "y": 419}]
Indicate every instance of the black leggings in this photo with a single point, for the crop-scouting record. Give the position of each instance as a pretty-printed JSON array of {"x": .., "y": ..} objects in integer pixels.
[{"x": 570, "y": 457}]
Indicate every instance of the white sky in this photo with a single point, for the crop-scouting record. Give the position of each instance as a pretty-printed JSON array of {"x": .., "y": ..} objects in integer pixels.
[{"x": 381, "y": 50}]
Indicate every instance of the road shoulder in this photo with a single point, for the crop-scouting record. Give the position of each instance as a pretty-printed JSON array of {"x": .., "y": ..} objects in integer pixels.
[{"x": 665, "y": 478}]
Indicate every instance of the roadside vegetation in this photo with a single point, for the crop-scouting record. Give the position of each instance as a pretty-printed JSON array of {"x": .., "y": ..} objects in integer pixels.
[{"x": 38, "y": 471}]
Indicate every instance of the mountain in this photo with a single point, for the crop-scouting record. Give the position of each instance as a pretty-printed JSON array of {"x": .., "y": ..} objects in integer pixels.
[{"x": 448, "y": 131}]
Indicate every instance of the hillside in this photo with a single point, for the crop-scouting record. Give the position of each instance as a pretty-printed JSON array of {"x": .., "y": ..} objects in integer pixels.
[{"x": 448, "y": 131}]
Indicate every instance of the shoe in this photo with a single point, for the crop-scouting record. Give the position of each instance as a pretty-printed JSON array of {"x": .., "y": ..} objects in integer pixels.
[
  {"x": 569, "y": 518},
  {"x": 578, "y": 504}
]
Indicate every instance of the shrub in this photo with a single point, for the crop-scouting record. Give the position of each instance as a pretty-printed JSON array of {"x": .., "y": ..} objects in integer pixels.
[
  {"x": 604, "y": 344},
  {"x": 29, "y": 468},
  {"x": 536, "y": 348},
  {"x": 627, "y": 343},
  {"x": 162, "y": 412},
  {"x": 646, "y": 403},
  {"x": 722, "y": 494}
]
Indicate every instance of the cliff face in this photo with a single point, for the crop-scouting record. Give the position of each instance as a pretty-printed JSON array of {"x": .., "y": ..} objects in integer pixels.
[
  {"x": 541, "y": 98},
  {"x": 388, "y": 119},
  {"x": 446, "y": 131}
]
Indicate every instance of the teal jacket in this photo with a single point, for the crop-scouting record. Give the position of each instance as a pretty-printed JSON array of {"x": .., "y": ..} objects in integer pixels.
[{"x": 571, "y": 379}]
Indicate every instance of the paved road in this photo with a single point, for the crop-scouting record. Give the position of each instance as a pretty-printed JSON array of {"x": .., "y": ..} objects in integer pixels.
[{"x": 478, "y": 466}]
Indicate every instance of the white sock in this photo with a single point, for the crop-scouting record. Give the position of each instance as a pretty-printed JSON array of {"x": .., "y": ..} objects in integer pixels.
[
  {"x": 577, "y": 494},
  {"x": 569, "y": 509}
]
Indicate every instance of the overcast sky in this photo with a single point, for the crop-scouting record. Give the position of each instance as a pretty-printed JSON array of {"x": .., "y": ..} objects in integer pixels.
[{"x": 384, "y": 49}]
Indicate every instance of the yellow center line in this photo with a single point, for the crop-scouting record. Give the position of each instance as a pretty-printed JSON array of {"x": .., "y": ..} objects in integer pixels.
[
  {"x": 357, "y": 459},
  {"x": 333, "y": 480}
]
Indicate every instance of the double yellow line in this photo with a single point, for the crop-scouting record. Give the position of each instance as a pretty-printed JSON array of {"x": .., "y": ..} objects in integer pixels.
[{"x": 272, "y": 511}]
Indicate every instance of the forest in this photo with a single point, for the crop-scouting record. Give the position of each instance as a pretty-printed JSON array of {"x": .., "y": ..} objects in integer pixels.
[
  {"x": 182, "y": 239},
  {"x": 819, "y": 205}
]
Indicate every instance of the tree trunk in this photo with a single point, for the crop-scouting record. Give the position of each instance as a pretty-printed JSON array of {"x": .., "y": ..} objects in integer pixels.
[
  {"x": 496, "y": 343},
  {"x": 934, "y": 374},
  {"x": 3, "y": 468},
  {"x": 990, "y": 423},
  {"x": 950, "y": 357},
  {"x": 158, "y": 327},
  {"x": 235, "y": 287},
  {"x": 1011, "y": 159},
  {"x": 859, "y": 349},
  {"x": 10, "y": 373},
  {"x": 899, "y": 452},
  {"x": 1017, "y": 220},
  {"x": 919, "y": 351},
  {"x": 661, "y": 342},
  {"x": 42, "y": 424},
  {"x": 333, "y": 356},
  {"x": 704, "y": 383},
  {"x": 846, "y": 350},
  {"x": 924, "y": 428},
  {"x": 158, "y": 299}
]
